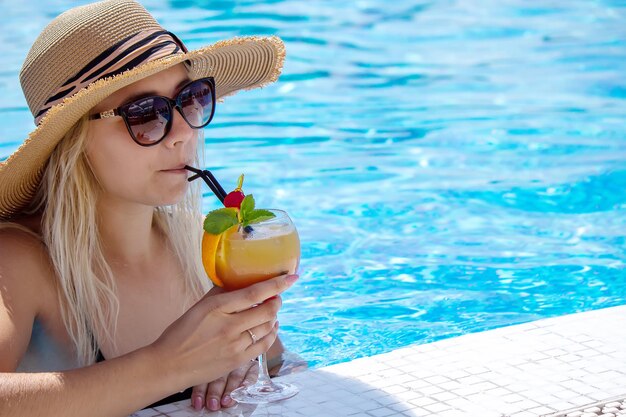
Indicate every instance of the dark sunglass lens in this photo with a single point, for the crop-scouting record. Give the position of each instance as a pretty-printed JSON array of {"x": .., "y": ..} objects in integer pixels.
[
  {"x": 196, "y": 102},
  {"x": 148, "y": 119}
]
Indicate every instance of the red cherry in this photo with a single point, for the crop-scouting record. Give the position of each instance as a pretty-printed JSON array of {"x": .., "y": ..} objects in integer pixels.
[{"x": 234, "y": 199}]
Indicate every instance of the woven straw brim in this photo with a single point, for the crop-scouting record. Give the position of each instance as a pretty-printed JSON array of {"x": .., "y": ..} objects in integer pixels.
[{"x": 236, "y": 64}]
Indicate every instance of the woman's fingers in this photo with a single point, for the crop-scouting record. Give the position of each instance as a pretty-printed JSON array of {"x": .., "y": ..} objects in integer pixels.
[
  {"x": 263, "y": 343},
  {"x": 256, "y": 333},
  {"x": 243, "y": 299},
  {"x": 197, "y": 396},
  {"x": 214, "y": 393},
  {"x": 258, "y": 315}
]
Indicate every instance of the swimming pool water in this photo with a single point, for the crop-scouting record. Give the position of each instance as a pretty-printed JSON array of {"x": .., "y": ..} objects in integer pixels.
[{"x": 452, "y": 166}]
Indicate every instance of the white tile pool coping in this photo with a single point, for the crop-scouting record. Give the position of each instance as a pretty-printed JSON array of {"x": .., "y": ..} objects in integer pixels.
[{"x": 526, "y": 370}]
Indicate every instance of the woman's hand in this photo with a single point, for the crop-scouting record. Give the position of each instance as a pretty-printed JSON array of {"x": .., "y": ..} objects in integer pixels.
[
  {"x": 212, "y": 337},
  {"x": 216, "y": 394}
]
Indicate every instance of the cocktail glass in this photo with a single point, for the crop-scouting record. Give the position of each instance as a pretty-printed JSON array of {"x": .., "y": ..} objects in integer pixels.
[{"x": 257, "y": 253}]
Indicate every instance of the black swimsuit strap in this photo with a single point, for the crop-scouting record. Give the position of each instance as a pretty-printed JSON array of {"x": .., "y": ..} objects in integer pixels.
[{"x": 99, "y": 356}]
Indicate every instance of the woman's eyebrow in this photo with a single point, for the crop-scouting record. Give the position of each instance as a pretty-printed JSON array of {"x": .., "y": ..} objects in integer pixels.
[{"x": 143, "y": 94}]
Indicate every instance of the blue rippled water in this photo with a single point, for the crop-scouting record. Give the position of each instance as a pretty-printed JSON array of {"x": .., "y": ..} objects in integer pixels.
[{"x": 452, "y": 165}]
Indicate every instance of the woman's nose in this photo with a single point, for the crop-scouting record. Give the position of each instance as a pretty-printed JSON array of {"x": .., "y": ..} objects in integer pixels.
[{"x": 180, "y": 132}]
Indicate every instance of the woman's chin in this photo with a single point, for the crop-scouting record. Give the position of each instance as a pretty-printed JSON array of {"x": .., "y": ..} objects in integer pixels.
[
  {"x": 172, "y": 200},
  {"x": 174, "y": 196}
]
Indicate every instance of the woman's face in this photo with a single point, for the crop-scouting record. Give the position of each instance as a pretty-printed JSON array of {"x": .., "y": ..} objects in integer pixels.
[{"x": 128, "y": 172}]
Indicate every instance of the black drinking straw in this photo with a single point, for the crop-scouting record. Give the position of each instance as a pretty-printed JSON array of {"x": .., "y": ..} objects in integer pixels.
[
  {"x": 215, "y": 182},
  {"x": 210, "y": 180}
]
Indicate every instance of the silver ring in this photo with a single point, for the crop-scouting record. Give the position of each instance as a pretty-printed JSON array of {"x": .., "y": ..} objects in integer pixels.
[{"x": 252, "y": 336}]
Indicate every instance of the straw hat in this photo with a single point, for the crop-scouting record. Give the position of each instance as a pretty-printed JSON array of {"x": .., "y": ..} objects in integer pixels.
[{"x": 88, "y": 53}]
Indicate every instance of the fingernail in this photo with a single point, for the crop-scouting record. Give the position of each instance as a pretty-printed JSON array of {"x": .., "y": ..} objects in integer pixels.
[
  {"x": 292, "y": 278},
  {"x": 226, "y": 400},
  {"x": 276, "y": 325},
  {"x": 214, "y": 405},
  {"x": 197, "y": 403}
]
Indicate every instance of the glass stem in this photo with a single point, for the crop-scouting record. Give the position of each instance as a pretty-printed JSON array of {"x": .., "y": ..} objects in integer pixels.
[{"x": 264, "y": 375}]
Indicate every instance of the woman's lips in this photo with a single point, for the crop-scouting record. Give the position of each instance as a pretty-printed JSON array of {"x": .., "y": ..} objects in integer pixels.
[{"x": 176, "y": 171}]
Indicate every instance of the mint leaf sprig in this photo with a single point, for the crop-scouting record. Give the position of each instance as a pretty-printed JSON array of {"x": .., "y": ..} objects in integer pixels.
[
  {"x": 218, "y": 221},
  {"x": 248, "y": 214}
]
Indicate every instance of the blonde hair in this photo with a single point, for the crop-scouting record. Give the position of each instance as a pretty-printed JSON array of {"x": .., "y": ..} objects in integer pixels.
[{"x": 87, "y": 291}]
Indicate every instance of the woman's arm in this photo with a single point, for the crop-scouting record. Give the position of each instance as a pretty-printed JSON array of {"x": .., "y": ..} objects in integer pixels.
[
  {"x": 206, "y": 342},
  {"x": 203, "y": 344},
  {"x": 116, "y": 387}
]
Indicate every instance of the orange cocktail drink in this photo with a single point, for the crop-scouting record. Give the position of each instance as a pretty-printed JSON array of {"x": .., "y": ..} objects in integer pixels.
[{"x": 268, "y": 249}]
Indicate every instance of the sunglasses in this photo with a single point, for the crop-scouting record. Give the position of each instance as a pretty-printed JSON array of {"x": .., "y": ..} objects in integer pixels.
[{"x": 149, "y": 119}]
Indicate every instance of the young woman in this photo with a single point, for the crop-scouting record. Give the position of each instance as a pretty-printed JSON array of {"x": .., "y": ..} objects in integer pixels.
[{"x": 100, "y": 233}]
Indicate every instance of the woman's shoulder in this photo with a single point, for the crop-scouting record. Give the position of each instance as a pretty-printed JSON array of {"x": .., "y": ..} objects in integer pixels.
[
  {"x": 24, "y": 261},
  {"x": 27, "y": 290},
  {"x": 19, "y": 240}
]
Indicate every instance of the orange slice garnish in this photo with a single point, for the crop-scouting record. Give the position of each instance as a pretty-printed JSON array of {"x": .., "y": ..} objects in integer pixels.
[
  {"x": 210, "y": 248},
  {"x": 210, "y": 243}
]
